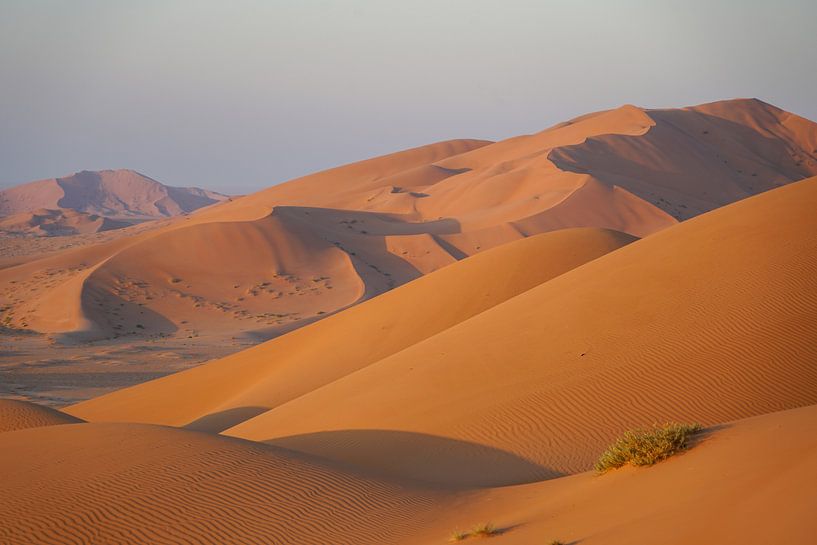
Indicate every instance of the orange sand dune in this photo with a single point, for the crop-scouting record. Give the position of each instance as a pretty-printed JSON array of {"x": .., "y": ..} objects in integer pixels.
[
  {"x": 117, "y": 483},
  {"x": 18, "y": 415},
  {"x": 752, "y": 482},
  {"x": 227, "y": 391},
  {"x": 711, "y": 320},
  {"x": 402, "y": 215},
  {"x": 130, "y": 483},
  {"x": 371, "y": 226}
]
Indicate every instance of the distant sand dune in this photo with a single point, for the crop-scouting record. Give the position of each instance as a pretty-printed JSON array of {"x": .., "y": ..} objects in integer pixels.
[
  {"x": 126, "y": 483},
  {"x": 406, "y": 214}
]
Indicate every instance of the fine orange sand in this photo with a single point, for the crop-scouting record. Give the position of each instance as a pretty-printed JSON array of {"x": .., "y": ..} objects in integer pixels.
[
  {"x": 18, "y": 415},
  {"x": 455, "y": 332},
  {"x": 711, "y": 320},
  {"x": 333, "y": 239},
  {"x": 752, "y": 481}
]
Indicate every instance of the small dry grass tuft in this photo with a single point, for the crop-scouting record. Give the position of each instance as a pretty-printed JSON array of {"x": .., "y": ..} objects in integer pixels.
[
  {"x": 486, "y": 529},
  {"x": 646, "y": 447}
]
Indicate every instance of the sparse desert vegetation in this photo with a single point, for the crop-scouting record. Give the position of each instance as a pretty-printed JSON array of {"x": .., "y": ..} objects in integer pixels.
[
  {"x": 645, "y": 447},
  {"x": 485, "y": 529}
]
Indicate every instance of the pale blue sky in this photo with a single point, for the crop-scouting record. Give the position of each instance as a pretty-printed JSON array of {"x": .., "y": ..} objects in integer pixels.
[{"x": 238, "y": 95}]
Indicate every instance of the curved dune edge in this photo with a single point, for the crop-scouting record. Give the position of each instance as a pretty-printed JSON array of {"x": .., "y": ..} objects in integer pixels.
[
  {"x": 629, "y": 169},
  {"x": 131, "y": 483},
  {"x": 115, "y": 483},
  {"x": 19, "y": 415},
  {"x": 711, "y": 320},
  {"x": 223, "y": 392},
  {"x": 752, "y": 481}
]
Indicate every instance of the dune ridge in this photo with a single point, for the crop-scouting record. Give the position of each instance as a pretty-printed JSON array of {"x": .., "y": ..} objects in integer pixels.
[
  {"x": 118, "y": 483},
  {"x": 293, "y": 365},
  {"x": 188, "y": 486},
  {"x": 409, "y": 213},
  {"x": 19, "y": 415},
  {"x": 711, "y": 320}
]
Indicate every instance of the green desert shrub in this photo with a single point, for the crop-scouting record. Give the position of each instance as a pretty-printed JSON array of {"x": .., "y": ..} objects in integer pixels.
[{"x": 646, "y": 447}]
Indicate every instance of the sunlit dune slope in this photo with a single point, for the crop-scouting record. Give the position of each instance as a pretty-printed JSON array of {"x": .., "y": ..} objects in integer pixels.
[
  {"x": 752, "y": 482},
  {"x": 116, "y": 483},
  {"x": 18, "y": 415},
  {"x": 227, "y": 391},
  {"x": 406, "y": 214},
  {"x": 712, "y": 320}
]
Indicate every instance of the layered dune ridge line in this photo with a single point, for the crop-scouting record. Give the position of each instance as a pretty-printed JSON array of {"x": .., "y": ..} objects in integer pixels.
[
  {"x": 115, "y": 483},
  {"x": 452, "y": 335},
  {"x": 18, "y": 415},
  {"x": 45, "y": 222},
  {"x": 223, "y": 392},
  {"x": 117, "y": 194},
  {"x": 406, "y": 214},
  {"x": 711, "y": 320}
]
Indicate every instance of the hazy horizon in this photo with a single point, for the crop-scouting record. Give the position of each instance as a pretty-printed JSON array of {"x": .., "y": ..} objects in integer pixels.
[{"x": 238, "y": 96}]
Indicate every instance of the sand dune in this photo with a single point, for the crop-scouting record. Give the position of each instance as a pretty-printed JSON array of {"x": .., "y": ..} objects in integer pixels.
[
  {"x": 118, "y": 483},
  {"x": 114, "y": 483},
  {"x": 64, "y": 221},
  {"x": 711, "y": 320},
  {"x": 118, "y": 194},
  {"x": 18, "y": 415},
  {"x": 379, "y": 223},
  {"x": 235, "y": 388},
  {"x": 457, "y": 331},
  {"x": 405, "y": 214},
  {"x": 749, "y": 482}
]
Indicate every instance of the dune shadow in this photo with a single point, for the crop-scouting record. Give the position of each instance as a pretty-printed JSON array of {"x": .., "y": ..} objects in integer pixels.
[
  {"x": 420, "y": 457},
  {"x": 219, "y": 421}
]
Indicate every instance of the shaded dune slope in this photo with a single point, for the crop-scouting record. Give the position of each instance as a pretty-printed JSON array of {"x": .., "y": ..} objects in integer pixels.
[
  {"x": 18, "y": 415},
  {"x": 711, "y": 320},
  {"x": 120, "y": 483},
  {"x": 115, "y": 483},
  {"x": 406, "y": 214},
  {"x": 222, "y": 392}
]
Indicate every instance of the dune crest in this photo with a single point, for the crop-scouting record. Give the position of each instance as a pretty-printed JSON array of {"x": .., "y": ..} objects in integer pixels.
[
  {"x": 710, "y": 320},
  {"x": 19, "y": 415}
]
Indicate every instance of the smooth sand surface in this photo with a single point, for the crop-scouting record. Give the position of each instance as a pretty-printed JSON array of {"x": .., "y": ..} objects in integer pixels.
[{"x": 123, "y": 194}]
